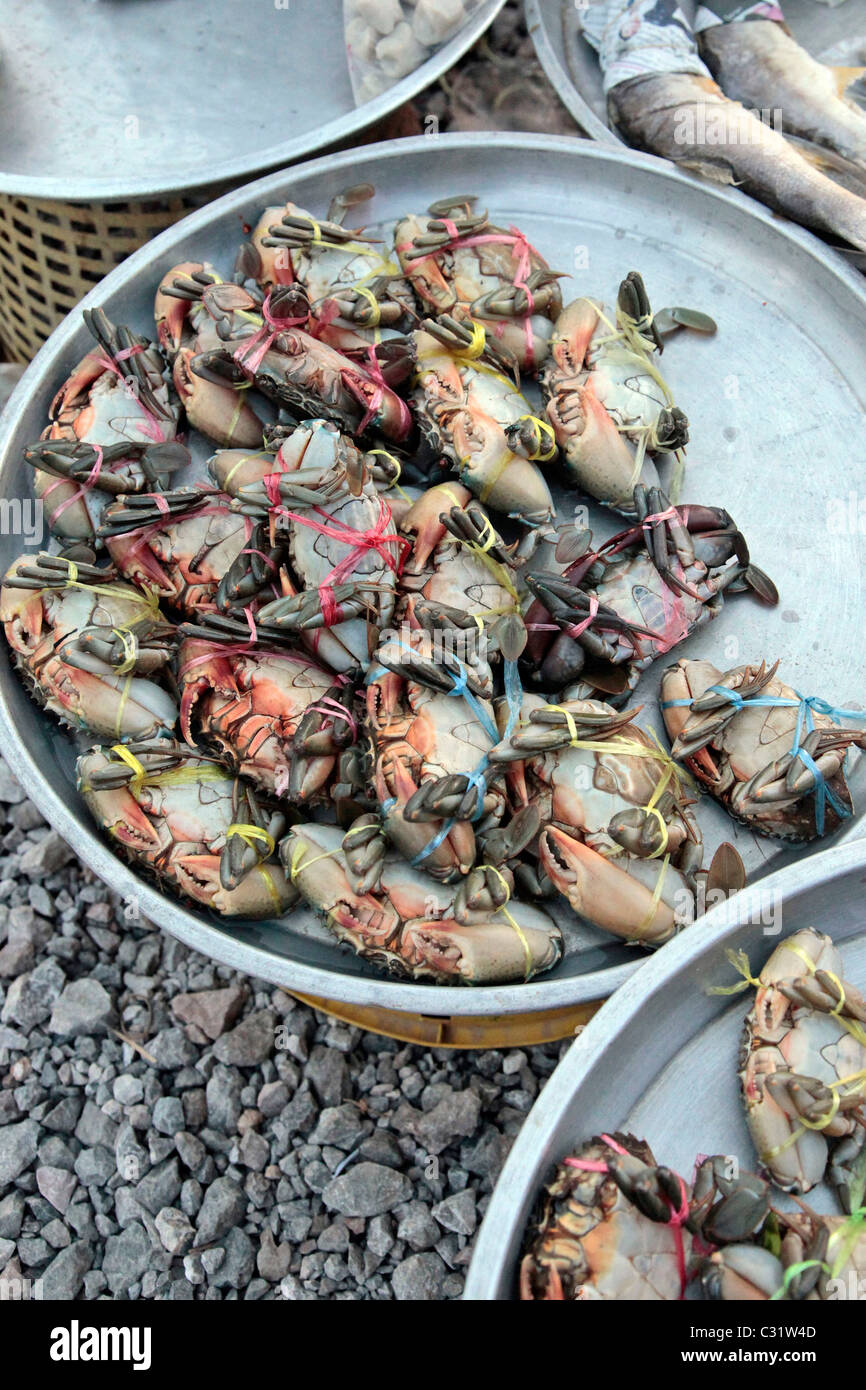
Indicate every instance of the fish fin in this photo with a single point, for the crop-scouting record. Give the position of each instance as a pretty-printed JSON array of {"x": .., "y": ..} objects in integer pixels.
[
  {"x": 844, "y": 171},
  {"x": 857, "y": 92},
  {"x": 719, "y": 172},
  {"x": 845, "y": 77}
]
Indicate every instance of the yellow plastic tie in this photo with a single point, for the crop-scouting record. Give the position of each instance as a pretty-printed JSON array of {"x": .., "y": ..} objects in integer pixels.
[
  {"x": 857, "y": 1082},
  {"x": 482, "y": 550},
  {"x": 121, "y": 706},
  {"x": 236, "y": 415},
  {"x": 130, "y": 649},
  {"x": 544, "y": 429},
  {"x": 527, "y": 954},
  {"x": 150, "y": 599},
  {"x": 851, "y": 1025},
  {"x": 476, "y": 346},
  {"x": 373, "y": 302},
  {"x": 656, "y": 897},
  {"x": 131, "y": 760},
  {"x": 270, "y": 886},
  {"x": 244, "y": 458},
  {"x": 250, "y": 834},
  {"x": 629, "y": 747},
  {"x": 173, "y": 776},
  {"x": 495, "y": 473},
  {"x": 298, "y": 862},
  {"x": 652, "y": 810},
  {"x": 740, "y": 961},
  {"x": 807, "y": 960},
  {"x": 395, "y": 484}
]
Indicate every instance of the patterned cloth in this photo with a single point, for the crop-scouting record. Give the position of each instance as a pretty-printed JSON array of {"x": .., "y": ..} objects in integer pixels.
[
  {"x": 636, "y": 37},
  {"x": 731, "y": 11}
]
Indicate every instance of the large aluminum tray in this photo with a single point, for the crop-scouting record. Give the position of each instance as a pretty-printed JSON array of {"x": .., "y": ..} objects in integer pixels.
[
  {"x": 834, "y": 34},
  {"x": 659, "y": 1059},
  {"x": 776, "y": 404},
  {"x": 127, "y": 98}
]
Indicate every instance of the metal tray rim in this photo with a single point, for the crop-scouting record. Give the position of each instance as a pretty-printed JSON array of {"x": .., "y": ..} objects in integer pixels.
[
  {"x": 506, "y": 1216},
  {"x": 342, "y": 128},
  {"x": 194, "y": 931},
  {"x": 561, "y": 81}
]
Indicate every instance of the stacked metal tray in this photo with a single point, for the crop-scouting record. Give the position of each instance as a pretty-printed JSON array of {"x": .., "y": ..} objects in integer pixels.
[
  {"x": 117, "y": 99},
  {"x": 776, "y": 405}
]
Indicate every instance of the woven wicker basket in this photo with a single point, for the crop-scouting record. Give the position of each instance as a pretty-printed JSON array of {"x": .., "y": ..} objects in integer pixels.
[{"x": 52, "y": 254}]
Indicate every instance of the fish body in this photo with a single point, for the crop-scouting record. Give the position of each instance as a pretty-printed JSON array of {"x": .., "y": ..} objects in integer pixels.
[
  {"x": 688, "y": 119},
  {"x": 761, "y": 64}
]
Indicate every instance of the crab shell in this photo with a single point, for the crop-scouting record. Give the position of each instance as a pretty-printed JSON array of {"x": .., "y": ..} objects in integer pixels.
[
  {"x": 247, "y": 705},
  {"x": 185, "y": 329},
  {"x": 421, "y": 735},
  {"x": 463, "y": 408},
  {"x": 347, "y": 645},
  {"x": 746, "y": 745},
  {"x": 597, "y": 396},
  {"x": 454, "y": 278},
  {"x": 591, "y": 1242},
  {"x": 183, "y": 559},
  {"x": 317, "y": 450},
  {"x": 444, "y": 572},
  {"x": 781, "y": 1036},
  {"x": 175, "y": 826},
  {"x": 408, "y": 925},
  {"x": 95, "y": 405},
  {"x": 89, "y": 695},
  {"x": 323, "y": 270},
  {"x": 634, "y": 589},
  {"x": 581, "y": 792},
  {"x": 312, "y": 377}
]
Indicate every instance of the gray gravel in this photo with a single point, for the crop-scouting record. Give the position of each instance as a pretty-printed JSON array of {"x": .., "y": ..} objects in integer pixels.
[{"x": 170, "y": 1129}]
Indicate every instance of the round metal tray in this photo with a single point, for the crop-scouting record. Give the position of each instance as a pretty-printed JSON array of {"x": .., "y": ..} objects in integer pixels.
[
  {"x": 103, "y": 99},
  {"x": 770, "y": 447},
  {"x": 834, "y": 34},
  {"x": 659, "y": 1059}
]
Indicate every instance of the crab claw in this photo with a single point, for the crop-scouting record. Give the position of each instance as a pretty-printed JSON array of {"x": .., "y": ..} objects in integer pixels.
[
  {"x": 313, "y": 858},
  {"x": 826, "y": 992},
  {"x": 423, "y": 522},
  {"x": 170, "y": 309},
  {"x": 617, "y": 899},
  {"x": 491, "y": 951},
  {"x": 794, "y": 1156},
  {"x": 116, "y": 809},
  {"x": 741, "y": 1273},
  {"x": 363, "y": 847},
  {"x": 215, "y": 408},
  {"x": 452, "y": 857},
  {"x": 599, "y": 456},
  {"x": 21, "y": 611},
  {"x": 263, "y": 892}
]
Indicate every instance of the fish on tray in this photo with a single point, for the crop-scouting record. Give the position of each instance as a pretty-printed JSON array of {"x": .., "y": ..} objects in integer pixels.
[{"x": 662, "y": 98}]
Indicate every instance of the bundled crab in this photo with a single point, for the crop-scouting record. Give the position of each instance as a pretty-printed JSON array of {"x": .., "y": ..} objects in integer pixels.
[
  {"x": 614, "y": 1224},
  {"x": 300, "y": 671}
]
